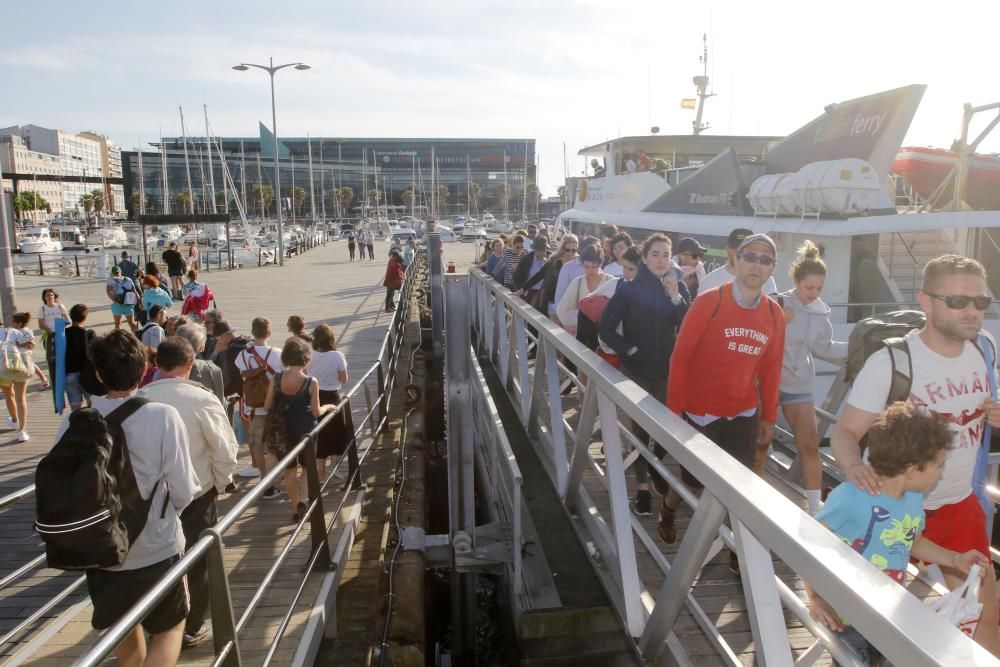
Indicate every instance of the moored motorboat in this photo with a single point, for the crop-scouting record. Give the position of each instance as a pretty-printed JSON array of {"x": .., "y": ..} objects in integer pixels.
[{"x": 38, "y": 240}]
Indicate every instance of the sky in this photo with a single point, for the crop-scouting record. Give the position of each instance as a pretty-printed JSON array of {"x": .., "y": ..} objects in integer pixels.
[{"x": 567, "y": 73}]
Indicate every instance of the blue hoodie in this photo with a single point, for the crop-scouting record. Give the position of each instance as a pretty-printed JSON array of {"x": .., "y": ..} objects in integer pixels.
[{"x": 649, "y": 320}]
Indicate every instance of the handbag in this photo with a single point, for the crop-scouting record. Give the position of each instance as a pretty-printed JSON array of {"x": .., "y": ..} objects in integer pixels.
[
  {"x": 592, "y": 306},
  {"x": 15, "y": 361},
  {"x": 961, "y": 607}
]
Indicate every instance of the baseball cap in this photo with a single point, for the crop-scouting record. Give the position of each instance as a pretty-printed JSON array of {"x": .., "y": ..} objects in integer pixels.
[
  {"x": 736, "y": 237},
  {"x": 688, "y": 244},
  {"x": 757, "y": 238},
  {"x": 116, "y": 270},
  {"x": 539, "y": 243}
]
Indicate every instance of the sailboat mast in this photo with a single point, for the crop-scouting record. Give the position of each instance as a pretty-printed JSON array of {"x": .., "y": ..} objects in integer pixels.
[
  {"x": 260, "y": 189},
  {"x": 211, "y": 172},
  {"x": 166, "y": 183},
  {"x": 506, "y": 187},
  {"x": 292, "y": 199},
  {"x": 524, "y": 185},
  {"x": 187, "y": 163},
  {"x": 322, "y": 184},
  {"x": 433, "y": 186},
  {"x": 701, "y": 82},
  {"x": 468, "y": 188},
  {"x": 243, "y": 177},
  {"x": 413, "y": 185},
  {"x": 364, "y": 183},
  {"x": 312, "y": 189},
  {"x": 340, "y": 179},
  {"x": 142, "y": 184}
]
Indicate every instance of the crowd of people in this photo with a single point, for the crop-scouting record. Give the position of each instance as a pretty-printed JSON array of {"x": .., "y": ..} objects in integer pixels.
[
  {"x": 725, "y": 351},
  {"x": 205, "y": 390}
]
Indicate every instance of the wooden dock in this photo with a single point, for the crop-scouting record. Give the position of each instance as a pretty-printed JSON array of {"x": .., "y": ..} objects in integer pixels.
[{"x": 322, "y": 286}]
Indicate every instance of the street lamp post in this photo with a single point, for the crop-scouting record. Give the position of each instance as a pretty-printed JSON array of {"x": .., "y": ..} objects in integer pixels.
[{"x": 271, "y": 69}]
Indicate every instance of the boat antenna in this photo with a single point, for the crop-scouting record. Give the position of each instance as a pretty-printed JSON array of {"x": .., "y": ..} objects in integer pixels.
[{"x": 701, "y": 83}]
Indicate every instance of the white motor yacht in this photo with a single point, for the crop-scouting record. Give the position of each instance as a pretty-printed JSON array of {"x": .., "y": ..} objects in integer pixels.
[
  {"x": 38, "y": 240},
  {"x": 108, "y": 237}
]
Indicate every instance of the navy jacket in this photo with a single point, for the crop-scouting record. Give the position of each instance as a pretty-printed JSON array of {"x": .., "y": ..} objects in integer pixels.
[{"x": 649, "y": 320}]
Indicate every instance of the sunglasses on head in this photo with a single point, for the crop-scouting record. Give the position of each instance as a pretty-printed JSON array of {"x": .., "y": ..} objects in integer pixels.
[
  {"x": 961, "y": 301},
  {"x": 752, "y": 257}
]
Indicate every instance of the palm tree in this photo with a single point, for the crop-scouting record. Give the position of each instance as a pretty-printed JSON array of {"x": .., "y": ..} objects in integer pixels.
[
  {"x": 263, "y": 195},
  {"x": 475, "y": 194},
  {"x": 220, "y": 201},
  {"x": 87, "y": 202},
  {"x": 345, "y": 195},
  {"x": 503, "y": 192},
  {"x": 534, "y": 196},
  {"x": 184, "y": 200},
  {"x": 443, "y": 197},
  {"x": 410, "y": 195},
  {"x": 298, "y": 196},
  {"x": 135, "y": 201},
  {"x": 99, "y": 201}
]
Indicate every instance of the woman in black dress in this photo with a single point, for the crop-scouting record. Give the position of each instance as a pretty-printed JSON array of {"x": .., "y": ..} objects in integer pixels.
[{"x": 329, "y": 367}]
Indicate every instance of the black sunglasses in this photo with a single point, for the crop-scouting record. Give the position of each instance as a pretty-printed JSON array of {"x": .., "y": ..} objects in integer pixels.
[
  {"x": 751, "y": 257},
  {"x": 960, "y": 301}
]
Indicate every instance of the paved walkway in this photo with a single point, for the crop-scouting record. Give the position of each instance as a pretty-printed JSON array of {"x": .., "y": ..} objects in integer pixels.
[{"x": 323, "y": 287}]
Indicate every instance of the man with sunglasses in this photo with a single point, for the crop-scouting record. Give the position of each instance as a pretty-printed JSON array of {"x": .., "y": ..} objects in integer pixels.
[
  {"x": 727, "y": 272},
  {"x": 949, "y": 376},
  {"x": 731, "y": 340}
]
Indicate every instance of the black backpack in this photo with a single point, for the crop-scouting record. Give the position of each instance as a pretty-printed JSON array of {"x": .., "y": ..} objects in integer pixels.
[
  {"x": 232, "y": 381},
  {"x": 87, "y": 504}
]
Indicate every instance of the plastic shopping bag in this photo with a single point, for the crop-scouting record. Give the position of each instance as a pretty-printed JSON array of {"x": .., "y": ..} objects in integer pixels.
[{"x": 961, "y": 607}]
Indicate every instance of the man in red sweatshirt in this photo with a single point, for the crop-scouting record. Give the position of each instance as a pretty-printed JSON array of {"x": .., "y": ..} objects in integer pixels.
[{"x": 731, "y": 340}]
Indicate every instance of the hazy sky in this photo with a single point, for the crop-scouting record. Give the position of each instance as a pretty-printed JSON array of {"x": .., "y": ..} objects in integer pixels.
[{"x": 562, "y": 72}]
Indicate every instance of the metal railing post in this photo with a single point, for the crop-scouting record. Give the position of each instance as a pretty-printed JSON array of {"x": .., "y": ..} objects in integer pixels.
[
  {"x": 352, "y": 449},
  {"x": 223, "y": 621},
  {"x": 584, "y": 432},
  {"x": 520, "y": 336},
  {"x": 698, "y": 538},
  {"x": 76, "y": 261},
  {"x": 383, "y": 403},
  {"x": 767, "y": 618},
  {"x": 317, "y": 517},
  {"x": 556, "y": 431}
]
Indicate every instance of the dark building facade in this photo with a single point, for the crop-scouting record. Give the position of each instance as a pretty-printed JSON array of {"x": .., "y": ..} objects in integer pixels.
[{"x": 472, "y": 170}]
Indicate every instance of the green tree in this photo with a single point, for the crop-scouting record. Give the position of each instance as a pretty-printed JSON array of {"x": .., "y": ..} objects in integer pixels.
[
  {"x": 503, "y": 193},
  {"x": 184, "y": 201},
  {"x": 298, "y": 197},
  {"x": 220, "y": 201},
  {"x": 410, "y": 196},
  {"x": 100, "y": 201},
  {"x": 443, "y": 197},
  {"x": 29, "y": 201},
  {"x": 534, "y": 196},
  {"x": 475, "y": 194},
  {"x": 345, "y": 195},
  {"x": 87, "y": 202},
  {"x": 134, "y": 201},
  {"x": 263, "y": 196},
  {"x": 373, "y": 197}
]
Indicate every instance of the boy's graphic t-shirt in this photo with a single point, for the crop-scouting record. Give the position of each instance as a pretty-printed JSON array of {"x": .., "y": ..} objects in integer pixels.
[
  {"x": 880, "y": 528},
  {"x": 955, "y": 387}
]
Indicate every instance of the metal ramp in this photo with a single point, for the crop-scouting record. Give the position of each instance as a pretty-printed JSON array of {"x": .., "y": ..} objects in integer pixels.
[{"x": 656, "y": 592}]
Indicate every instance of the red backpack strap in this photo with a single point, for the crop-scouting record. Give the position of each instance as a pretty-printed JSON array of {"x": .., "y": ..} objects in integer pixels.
[{"x": 262, "y": 361}]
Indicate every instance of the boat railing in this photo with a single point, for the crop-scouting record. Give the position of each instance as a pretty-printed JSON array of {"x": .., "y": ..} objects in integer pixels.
[
  {"x": 763, "y": 521},
  {"x": 226, "y": 628}
]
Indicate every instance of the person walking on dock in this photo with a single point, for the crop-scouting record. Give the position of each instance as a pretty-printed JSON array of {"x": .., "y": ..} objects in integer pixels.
[
  {"x": 362, "y": 244},
  {"x": 731, "y": 342},
  {"x": 256, "y": 361},
  {"x": 648, "y": 311},
  {"x": 122, "y": 292},
  {"x": 949, "y": 375},
  {"x": 157, "y": 444},
  {"x": 175, "y": 269},
  {"x": 351, "y": 241},
  {"x": 370, "y": 244},
  {"x": 212, "y": 448},
  {"x": 329, "y": 367},
  {"x": 393, "y": 280}
]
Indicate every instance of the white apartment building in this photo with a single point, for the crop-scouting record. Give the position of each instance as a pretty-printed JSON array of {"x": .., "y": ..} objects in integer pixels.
[
  {"x": 77, "y": 155},
  {"x": 15, "y": 158}
]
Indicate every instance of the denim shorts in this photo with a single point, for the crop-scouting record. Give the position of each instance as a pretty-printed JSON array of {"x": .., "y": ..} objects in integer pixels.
[
  {"x": 122, "y": 310},
  {"x": 786, "y": 398},
  {"x": 74, "y": 390}
]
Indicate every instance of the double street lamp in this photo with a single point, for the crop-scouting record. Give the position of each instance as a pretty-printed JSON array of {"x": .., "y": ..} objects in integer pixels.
[{"x": 271, "y": 69}]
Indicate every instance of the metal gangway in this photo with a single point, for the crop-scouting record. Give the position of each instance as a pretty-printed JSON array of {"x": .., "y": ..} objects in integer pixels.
[{"x": 652, "y": 591}]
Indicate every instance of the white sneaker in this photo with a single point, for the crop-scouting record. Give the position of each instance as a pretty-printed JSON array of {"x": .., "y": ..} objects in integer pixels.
[
  {"x": 249, "y": 471},
  {"x": 11, "y": 421},
  {"x": 23, "y": 436}
]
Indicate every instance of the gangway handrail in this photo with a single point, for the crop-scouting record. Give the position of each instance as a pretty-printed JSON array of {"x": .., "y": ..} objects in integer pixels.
[
  {"x": 210, "y": 545},
  {"x": 763, "y": 520}
]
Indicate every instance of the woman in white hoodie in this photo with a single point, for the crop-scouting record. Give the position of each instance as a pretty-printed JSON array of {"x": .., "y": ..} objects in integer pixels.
[{"x": 808, "y": 334}]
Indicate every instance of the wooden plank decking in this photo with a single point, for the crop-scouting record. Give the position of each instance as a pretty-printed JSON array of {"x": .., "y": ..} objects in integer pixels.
[{"x": 321, "y": 286}]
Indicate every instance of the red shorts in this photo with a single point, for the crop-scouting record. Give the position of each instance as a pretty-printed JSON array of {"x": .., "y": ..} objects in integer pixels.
[
  {"x": 612, "y": 359},
  {"x": 960, "y": 526}
]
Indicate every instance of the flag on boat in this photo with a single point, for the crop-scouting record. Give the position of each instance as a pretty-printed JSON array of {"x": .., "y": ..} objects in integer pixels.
[{"x": 688, "y": 103}]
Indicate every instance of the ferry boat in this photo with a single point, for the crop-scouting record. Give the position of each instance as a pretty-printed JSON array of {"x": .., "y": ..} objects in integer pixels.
[
  {"x": 827, "y": 182},
  {"x": 38, "y": 240}
]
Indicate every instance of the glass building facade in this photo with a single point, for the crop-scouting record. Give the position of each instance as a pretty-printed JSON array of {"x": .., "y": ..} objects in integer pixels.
[{"x": 474, "y": 172}]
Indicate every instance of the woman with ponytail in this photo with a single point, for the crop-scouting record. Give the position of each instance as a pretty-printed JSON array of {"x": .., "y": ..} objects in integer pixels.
[{"x": 808, "y": 334}]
